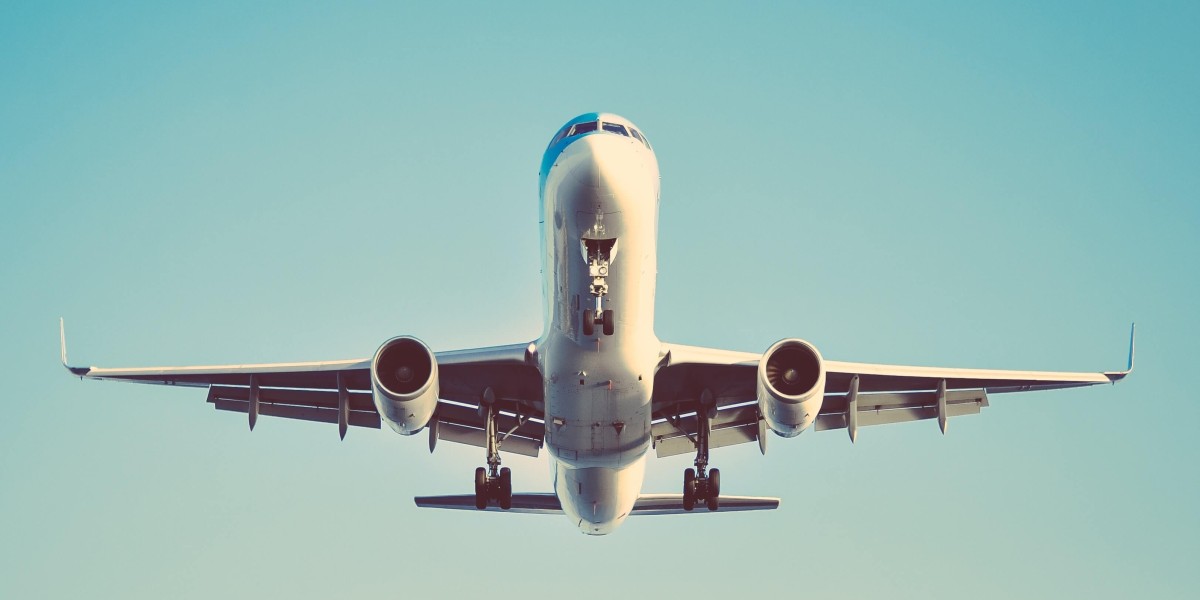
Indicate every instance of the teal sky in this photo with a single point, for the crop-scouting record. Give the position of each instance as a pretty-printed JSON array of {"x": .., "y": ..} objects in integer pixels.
[{"x": 1002, "y": 185}]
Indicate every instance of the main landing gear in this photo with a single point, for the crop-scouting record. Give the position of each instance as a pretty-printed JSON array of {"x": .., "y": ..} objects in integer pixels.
[
  {"x": 699, "y": 486},
  {"x": 599, "y": 254},
  {"x": 493, "y": 484}
]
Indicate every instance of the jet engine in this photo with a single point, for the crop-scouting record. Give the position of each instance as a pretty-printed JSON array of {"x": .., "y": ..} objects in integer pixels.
[
  {"x": 791, "y": 386},
  {"x": 404, "y": 383}
]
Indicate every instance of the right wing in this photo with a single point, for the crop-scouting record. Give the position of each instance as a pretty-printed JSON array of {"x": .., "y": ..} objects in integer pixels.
[
  {"x": 885, "y": 394},
  {"x": 313, "y": 391}
]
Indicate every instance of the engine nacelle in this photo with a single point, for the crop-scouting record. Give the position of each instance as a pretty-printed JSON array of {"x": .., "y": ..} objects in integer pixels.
[
  {"x": 791, "y": 386},
  {"x": 404, "y": 383}
]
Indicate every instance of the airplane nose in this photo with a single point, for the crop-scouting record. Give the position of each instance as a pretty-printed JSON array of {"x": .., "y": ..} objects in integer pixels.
[
  {"x": 594, "y": 159},
  {"x": 607, "y": 166}
]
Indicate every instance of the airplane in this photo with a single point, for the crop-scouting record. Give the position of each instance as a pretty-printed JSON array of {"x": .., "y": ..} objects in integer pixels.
[{"x": 598, "y": 389}]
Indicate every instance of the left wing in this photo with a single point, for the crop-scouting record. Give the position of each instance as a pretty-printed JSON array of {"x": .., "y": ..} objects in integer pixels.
[
  {"x": 885, "y": 394},
  {"x": 340, "y": 392}
]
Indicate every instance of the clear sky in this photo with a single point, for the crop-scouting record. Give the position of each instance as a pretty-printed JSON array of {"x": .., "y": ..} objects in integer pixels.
[{"x": 1002, "y": 185}]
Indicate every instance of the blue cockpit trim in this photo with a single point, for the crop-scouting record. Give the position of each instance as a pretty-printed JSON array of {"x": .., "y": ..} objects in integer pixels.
[{"x": 560, "y": 141}]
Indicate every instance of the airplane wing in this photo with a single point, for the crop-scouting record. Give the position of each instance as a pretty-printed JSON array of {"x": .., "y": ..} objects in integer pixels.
[
  {"x": 885, "y": 394},
  {"x": 313, "y": 391}
]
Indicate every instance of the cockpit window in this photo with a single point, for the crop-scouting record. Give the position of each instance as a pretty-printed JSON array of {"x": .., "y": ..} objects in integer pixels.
[
  {"x": 639, "y": 137},
  {"x": 615, "y": 128},
  {"x": 592, "y": 126},
  {"x": 562, "y": 133},
  {"x": 584, "y": 128}
]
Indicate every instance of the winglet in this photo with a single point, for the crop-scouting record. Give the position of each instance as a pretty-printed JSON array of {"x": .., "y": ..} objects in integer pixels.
[
  {"x": 1119, "y": 375},
  {"x": 62, "y": 344},
  {"x": 1132, "y": 330}
]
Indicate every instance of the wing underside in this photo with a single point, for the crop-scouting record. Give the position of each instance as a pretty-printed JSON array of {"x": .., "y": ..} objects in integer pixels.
[
  {"x": 882, "y": 394},
  {"x": 309, "y": 391}
]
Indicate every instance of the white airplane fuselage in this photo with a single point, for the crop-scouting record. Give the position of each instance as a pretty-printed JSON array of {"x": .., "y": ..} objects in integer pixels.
[{"x": 600, "y": 190}]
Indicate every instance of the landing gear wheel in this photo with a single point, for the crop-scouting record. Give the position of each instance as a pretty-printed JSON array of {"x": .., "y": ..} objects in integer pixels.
[
  {"x": 607, "y": 319},
  {"x": 505, "y": 490},
  {"x": 714, "y": 488},
  {"x": 589, "y": 323},
  {"x": 481, "y": 488},
  {"x": 689, "y": 489}
]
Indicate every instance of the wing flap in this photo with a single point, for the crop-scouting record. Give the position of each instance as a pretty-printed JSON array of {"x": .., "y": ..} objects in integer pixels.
[
  {"x": 505, "y": 421},
  {"x": 886, "y": 401},
  {"x": 728, "y": 436},
  {"x": 302, "y": 413},
  {"x": 731, "y": 426},
  {"x": 476, "y": 437},
  {"x": 920, "y": 406},
  {"x": 315, "y": 398}
]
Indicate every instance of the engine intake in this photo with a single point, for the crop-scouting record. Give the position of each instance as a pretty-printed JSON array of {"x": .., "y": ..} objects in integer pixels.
[
  {"x": 404, "y": 383},
  {"x": 791, "y": 386}
]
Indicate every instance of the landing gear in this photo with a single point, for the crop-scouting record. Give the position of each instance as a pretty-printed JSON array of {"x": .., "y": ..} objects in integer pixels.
[
  {"x": 505, "y": 491},
  {"x": 697, "y": 484},
  {"x": 493, "y": 483},
  {"x": 689, "y": 489},
  {"x": 481, "y": 488},
  {"x": 599, "y": 254},
  {"x": 605, "y": 320},
  {"x": 714, "y": 488}
]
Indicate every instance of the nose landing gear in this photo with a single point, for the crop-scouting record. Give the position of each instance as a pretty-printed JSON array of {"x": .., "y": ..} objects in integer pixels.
[
  {"x": 699, "y": 485},
  {"x": 599, "y": 254},
  {"x": 603, "y": 318},
  {"x": 493, "y": 483}
]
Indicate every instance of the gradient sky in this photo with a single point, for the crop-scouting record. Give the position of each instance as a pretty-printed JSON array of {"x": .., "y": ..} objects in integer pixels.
[{"x": 939, "y": 183}]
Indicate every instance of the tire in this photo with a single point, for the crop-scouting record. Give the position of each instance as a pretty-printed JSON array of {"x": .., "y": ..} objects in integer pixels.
[
  {"x": 607, "y": 319},
  {"x": 505, "y": 488},
  {"x": 689, "y": 489},
  {"x": 589, "y": 323},
  {"x": 714, "y": 489},
  {"x": 481, "y": 495}
]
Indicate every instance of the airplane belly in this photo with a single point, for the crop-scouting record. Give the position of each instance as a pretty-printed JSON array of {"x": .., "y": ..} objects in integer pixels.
[
  {"x": 598, "y": 499},
  {"x": 595, "y": 424},
  {"x": 600, "y": 219}
]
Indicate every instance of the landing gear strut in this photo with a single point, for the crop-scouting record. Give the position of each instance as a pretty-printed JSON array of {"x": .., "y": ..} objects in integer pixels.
[
  {"x": 599, "y": 254},
  {"x": 493, "y": 483},
  {"x": 699, "y": 485}
]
